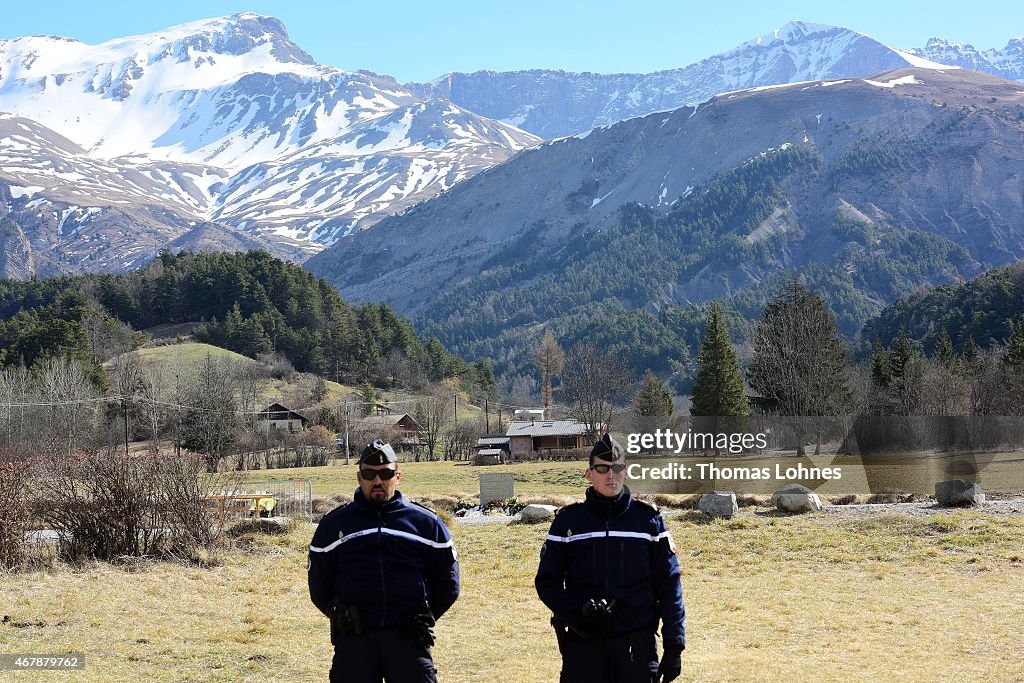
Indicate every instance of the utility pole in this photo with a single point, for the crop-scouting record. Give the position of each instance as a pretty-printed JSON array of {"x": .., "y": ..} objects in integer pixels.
[
  {"x": 487, "y": 414},
  {"x": 347, "y": 448},
  {"x": 124, "y": 407}
]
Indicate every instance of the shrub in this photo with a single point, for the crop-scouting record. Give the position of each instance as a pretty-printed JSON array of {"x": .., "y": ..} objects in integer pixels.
[
  {"x": 15, "y": 509},
  {"x": 111, "y": 506}
]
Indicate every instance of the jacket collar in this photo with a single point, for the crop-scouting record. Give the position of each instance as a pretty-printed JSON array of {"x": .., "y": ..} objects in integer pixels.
[{"x": 606, "y": 508}]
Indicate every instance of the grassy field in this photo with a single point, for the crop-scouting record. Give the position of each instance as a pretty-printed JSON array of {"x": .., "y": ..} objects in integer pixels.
[
  {"x": 442, "y": 477},
  {"x": 767, "y": 598},
  {"x": 1003, "y": 472}
]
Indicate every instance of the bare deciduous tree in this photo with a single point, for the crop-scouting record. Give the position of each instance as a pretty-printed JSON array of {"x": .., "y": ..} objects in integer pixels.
[
  {"x": 68, "y": 418},
  {"x": 210, "y": 418},
  {"x": 800, "y": 360},
  {"x": 943, "y": 392},
  {"x": 14, "y": 388},
  {"x": 595, "y": 383},
  {"x": 460, "y": 439},
  {"x": 433, "y": 412}
]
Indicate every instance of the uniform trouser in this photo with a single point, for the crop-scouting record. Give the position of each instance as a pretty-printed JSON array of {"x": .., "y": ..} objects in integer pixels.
[
  {"x": 387, "y": 654},
  {"x": 623, "y": 659}
]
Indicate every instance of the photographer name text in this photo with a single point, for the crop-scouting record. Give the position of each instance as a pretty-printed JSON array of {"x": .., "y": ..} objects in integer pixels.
[{"x": 707, "y": 471}]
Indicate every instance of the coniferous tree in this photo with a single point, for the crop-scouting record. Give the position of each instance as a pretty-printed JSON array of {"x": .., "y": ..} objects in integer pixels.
[
  {"x": 970, "y": 352},
  {"x": 369, "y": 397},
  {"x": 898, "y": 371},
  {"x": 1012, "y": 366},
  {"x": 654, "y": 399},
  {"x": 718, "y": 390},
  {"x": 1013, "y": 360},
  {"x": 484, "y": 380},
  {"x": 319, "y": 390},
  {"x": 944, "y": 350},
  {"x": 881, "y": 371}
]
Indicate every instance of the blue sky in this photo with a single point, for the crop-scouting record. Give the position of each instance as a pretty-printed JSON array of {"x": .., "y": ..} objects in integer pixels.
[{"x": 419, "y": 40}]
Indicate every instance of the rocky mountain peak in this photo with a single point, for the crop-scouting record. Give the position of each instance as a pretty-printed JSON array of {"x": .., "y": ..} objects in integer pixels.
[
  {"x": 794, "y": 31},
  {"x": 237, "y": 34}
]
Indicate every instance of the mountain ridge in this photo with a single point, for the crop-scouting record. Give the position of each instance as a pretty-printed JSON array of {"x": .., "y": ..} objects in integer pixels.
[
  {"x": 227, "y": 120},
  {"x": 554, "y": 103},
  {"x": 906, "y": 178}
]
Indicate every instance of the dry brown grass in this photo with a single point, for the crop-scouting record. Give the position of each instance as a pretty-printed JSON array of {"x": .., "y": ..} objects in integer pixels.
[
  {"x": 766, "y": 596},
  {"x": 848, "y": 499},
  {"x": 556, "y": 499}
]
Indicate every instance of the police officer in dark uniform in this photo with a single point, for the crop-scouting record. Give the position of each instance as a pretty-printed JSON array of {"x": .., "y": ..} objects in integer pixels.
[
  {"x": 608, "y": 571},
  {"x": 383, "y": 570}
]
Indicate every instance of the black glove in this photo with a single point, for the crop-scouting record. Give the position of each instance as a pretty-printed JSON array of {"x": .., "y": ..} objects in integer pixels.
[
  {"x": 420, "y": 627},
  {"x": 671, "y": 665},
  {"x": 596, "y": 616}
]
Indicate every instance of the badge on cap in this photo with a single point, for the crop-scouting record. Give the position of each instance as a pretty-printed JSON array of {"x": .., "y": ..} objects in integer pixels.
[{"x": 377, "y": 453}]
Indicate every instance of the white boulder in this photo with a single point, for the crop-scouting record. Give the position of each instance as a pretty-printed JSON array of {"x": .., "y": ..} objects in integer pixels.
[
  {"x": 796, "y": 498},
  {"x": 531, "y": 514}
]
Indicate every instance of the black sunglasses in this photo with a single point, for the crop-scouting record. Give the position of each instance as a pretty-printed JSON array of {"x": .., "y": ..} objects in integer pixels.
[
  {"x": 617, "y": 468},
  {"x": 370, "y": 475}
]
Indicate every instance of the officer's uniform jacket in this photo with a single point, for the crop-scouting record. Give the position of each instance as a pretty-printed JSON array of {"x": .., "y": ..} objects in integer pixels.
[
  {"x": 614, "y": 549},
  {"x": 386, "y": 560}
]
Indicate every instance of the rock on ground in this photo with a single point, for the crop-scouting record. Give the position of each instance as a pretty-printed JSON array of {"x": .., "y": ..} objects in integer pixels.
[
  {"x": 532, "y": 514},
  {"x": 958, "y": 492},
  {"x": 796, "y": 498},
  {"x": 719, "y": 504}
]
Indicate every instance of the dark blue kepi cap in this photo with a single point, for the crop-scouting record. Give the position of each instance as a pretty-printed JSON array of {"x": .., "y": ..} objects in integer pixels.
[
  {"x": 377, "y": 453},
  {"x": 607, "y": 448}
]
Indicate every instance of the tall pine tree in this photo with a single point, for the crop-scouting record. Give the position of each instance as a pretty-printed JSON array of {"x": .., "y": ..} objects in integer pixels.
[
  {"x": 718, "y": 390},
  {"x": 944, "y": 352}
]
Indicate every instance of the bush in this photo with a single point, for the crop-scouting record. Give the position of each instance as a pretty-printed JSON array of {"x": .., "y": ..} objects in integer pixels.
[
  {"x": 15, "y": 509},
  {"x": 277, "y": 365},
  {"x": 111, "y": 506}
]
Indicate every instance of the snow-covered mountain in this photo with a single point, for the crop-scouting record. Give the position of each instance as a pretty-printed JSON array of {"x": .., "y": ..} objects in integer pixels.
[
  {"x": 220, "y": 120},
  {"x": 373, "y": 169},
  {"x": 231, "y": 92},
  {"x": 557, "y": 103},
  {"x": 1007, "y": 62},
  {"x": 224, "y": 131}
]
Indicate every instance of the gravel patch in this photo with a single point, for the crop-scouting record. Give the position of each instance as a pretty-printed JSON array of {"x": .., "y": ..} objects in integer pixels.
[
  {"x": 1007, "y": 506},
  {"x": 1011, "y": 506}
]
